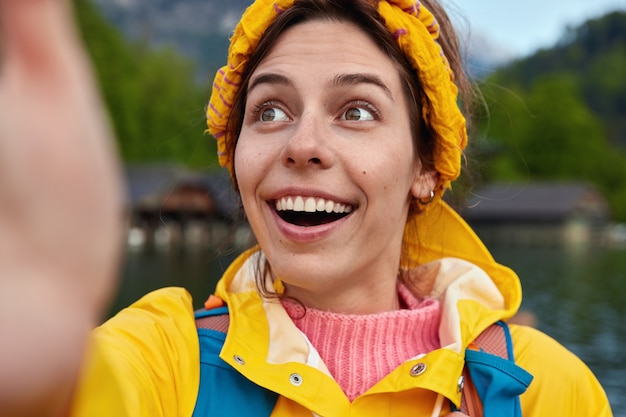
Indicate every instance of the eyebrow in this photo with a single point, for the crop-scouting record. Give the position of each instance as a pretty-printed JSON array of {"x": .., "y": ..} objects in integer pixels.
[
  {"x": 361, "y": 78},
  {"x": 269, "y": 79}
]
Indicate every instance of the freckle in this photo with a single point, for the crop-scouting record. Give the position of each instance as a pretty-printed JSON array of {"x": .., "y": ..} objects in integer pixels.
[{"x": 364, "y": 173}]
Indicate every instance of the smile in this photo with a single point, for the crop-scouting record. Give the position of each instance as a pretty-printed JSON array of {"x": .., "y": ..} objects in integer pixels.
[{"x": 310, "y": 211}]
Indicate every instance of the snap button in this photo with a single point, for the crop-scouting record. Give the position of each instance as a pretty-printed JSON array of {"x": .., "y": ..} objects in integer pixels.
[
  {"x": 460, "y": 384},
  {"x": 295, "y": 379},
  {"x": 418, "y": 369},
  {"x": 239, "y": 360}
]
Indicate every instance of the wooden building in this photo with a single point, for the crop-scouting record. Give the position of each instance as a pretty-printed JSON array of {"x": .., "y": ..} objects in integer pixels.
[
  {"x": 539, "y": 214},
  {"x": 169, "y": 205}
]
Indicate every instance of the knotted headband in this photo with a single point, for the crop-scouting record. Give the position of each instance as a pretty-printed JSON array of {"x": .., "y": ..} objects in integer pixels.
[{"x": 416, "y": 31}]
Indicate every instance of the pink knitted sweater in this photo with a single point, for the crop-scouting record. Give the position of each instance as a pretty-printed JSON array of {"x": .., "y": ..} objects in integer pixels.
[{"x": 359, "y": 350}]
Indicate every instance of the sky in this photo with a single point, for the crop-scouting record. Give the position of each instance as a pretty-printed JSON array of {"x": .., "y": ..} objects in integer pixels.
[{"x": 516, "y": 29}]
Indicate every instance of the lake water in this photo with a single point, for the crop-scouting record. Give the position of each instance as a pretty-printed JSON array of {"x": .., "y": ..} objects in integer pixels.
[{"x": 577, "y": 295}]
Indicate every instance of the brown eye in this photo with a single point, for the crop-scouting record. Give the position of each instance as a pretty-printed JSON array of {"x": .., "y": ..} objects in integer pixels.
[
  {"x": 272, "y": 114},
  {"x": 357, "y": 114}
]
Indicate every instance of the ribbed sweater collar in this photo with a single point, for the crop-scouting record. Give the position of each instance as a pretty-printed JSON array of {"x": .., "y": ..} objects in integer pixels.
[{"x": 360, "y": 350}]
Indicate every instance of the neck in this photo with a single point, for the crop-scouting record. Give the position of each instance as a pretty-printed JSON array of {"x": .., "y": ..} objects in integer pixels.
[{"x": 363, "y": 299}]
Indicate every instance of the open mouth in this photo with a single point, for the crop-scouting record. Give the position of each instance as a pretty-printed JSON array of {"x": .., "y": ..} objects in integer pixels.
[{"x": 310, "y": 211}]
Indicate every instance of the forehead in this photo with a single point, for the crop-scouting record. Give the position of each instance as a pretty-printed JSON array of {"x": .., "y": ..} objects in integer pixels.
[{"x": 325, "y": 46}]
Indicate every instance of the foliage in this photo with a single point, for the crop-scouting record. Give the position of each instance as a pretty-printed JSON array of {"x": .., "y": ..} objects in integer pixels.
[
  {"x": 156, "y": 107},
  {"x": 558, "y": 115}
]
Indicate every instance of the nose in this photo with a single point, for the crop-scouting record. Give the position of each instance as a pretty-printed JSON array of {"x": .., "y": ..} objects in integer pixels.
[{"x": 308, "y": 146}]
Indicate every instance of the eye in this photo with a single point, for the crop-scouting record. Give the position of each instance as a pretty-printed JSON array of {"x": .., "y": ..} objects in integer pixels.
[
  {"x": 358, "y": 114},
  {"x": 272, "y": 114}
]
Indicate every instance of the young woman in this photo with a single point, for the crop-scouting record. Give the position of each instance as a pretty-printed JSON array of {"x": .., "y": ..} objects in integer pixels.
[{"x": 338, "y": 121}]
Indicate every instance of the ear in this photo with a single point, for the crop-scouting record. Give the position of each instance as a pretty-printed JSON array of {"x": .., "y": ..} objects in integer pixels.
[{"x": 425, "y": 182}]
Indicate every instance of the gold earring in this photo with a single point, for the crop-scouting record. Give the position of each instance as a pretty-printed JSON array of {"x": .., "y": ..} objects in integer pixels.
[{"x": 429, "y": 200}]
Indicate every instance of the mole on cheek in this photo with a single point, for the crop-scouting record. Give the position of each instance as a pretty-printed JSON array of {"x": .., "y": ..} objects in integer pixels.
[{"x": 364, "y": 172}]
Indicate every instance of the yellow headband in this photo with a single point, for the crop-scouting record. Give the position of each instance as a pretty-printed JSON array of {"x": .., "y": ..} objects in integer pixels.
[{"x": 416, "y": 31}]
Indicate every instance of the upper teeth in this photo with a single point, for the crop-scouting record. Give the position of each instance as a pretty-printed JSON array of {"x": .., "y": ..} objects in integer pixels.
[{"x": 311, "y": 205}]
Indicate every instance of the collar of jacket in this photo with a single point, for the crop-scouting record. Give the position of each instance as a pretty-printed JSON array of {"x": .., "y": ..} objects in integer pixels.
[{"x": 265, "y": 346}]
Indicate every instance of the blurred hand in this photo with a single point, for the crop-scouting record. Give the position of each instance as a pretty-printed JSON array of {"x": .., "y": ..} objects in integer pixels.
[{"x": 60, "y": 206}]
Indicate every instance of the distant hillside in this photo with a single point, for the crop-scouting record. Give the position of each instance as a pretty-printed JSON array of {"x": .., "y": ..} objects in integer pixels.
[
  {"x": 594, "y": 54},
  {"x": 168, "y": 19},
  {"x": 197, "y": 28}
]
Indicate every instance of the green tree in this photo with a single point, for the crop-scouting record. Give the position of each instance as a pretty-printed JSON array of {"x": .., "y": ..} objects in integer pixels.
[
  {"x": 500, "y": 132},
  {"x": 156, "y": 107},
  {"x": 604, "y": 86},
  {"x": 564, "y": 139},
  {"x": 596, "y": 52}
]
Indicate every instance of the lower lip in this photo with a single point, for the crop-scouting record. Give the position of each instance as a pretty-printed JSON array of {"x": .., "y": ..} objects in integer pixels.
[{"x": 306, "y": 234}]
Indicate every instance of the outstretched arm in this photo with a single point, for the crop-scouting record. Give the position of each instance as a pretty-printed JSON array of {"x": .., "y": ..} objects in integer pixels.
[{"x": 60, "y": 206}]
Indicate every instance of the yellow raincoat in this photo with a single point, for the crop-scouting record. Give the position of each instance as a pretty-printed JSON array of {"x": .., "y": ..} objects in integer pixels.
[{"x": 145, "y": 361}]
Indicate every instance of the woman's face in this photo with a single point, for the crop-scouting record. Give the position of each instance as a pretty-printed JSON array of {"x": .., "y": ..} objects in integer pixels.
[{"x": 325, "y": 162}]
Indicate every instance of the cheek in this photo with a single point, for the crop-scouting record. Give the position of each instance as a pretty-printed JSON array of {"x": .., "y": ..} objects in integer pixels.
[
  {"x": 252, "y": 164},
  {"x": 244, "y": 169},
  {"x": 396, "y": 170},
  {"x": 245, "y": 152}
]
